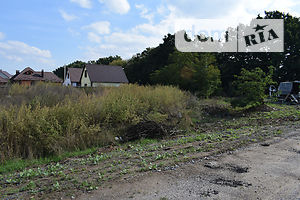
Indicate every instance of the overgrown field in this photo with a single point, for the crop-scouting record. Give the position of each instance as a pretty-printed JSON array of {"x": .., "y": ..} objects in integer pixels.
[
  {"x": 46, "y": 120},
  {"x": 81, "y": 119}
]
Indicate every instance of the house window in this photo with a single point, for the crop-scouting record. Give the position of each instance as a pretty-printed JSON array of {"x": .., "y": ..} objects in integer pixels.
[
  {"x": 85, "y": 73},
  {"x": 28, "y": 72}
]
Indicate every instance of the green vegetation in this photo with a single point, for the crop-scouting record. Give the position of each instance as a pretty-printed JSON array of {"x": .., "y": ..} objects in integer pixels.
[
  {"x": 164, "y": 65},
  {"x": 20, "y": 164},
  {"x": 190, "y": 71},
  {"x": 42, "y": 126},
  {"x": 39, "y": 125},
  {"x": 251, "y": 86},
  {"x": 211, "y": 134}
]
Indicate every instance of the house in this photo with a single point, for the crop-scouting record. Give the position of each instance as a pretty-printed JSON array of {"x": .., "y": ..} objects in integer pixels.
[
  {"x": 94, "y": 75},
  {"x": 73, "y": 76},
  {"x": 3, "y": 81},
  {"x": 4, "y": 74},
  {"x": 4, "y": 77},
  {"x": 28, "y": 77}
]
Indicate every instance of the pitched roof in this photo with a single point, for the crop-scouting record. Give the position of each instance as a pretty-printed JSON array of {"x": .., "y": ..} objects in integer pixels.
[
  {"x": 29, "y": 74},
  {"x": 106, "y": 74},
  {"x": 49, "y": 76},
  {"x": 3, "y": 80},
  {"x": 8, "y": 75},
  {"x": 75, "y": 74}
]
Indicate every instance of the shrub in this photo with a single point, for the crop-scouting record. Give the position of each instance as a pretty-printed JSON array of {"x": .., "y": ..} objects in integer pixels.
[
  {"x": 251, "y": 87},
  {"x": 131, "y": 104}
]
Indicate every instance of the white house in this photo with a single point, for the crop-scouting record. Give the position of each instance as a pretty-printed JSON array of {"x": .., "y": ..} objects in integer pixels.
[
  {"x": 73, "y": 76},
  {"x": 102, "y": 75}
]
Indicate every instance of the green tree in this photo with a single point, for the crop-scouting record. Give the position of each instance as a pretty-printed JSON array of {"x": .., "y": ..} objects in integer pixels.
[
  {"x": 286, "y": 64},
  {"x": 60, "y": 71},
  {"x": 107, "y": 60},
  {"x": 190, "y": 71},
  {"x": 251, "y": 87},
  {"x": 141, "y": 66},
  {"x": 119, "y": 62}
]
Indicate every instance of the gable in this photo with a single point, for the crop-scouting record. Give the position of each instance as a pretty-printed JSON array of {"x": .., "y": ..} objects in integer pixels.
[{"x": 85, "y": 78}]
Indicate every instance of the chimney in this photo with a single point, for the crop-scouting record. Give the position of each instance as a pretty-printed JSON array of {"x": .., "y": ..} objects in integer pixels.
[
  {"x": 65, "y": 73},
  {"x": 42, "y": 73},
  {"x": 17, "y": 72}
]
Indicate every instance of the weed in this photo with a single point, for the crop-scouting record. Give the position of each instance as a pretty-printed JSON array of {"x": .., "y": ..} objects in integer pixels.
[
  {"x": 41, "y": 127},
  {"x": 30, "y": 186},
  {"x": 56, "y": 186}
]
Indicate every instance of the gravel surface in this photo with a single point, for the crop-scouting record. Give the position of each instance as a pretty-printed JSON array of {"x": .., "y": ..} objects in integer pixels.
[{"x": 270, "y": 170}]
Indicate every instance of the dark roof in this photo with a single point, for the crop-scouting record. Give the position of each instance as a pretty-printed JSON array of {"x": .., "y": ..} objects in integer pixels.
[
  {"x": 106, "y": 74},
  {"x": 50, "y": 76},
  {"x": 75, "y": 74},
  {"x": 8, "y": 75},
  {"x": 29, "y": 74},
  {"x": 3, "y": 80}
]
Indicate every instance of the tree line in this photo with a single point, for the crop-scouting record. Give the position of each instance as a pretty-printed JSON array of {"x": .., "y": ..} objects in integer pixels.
[{"x": 207, "y": 74}]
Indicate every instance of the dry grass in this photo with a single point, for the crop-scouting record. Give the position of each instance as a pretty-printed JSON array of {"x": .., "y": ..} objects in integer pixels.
[{"x": 46, "y": 120}]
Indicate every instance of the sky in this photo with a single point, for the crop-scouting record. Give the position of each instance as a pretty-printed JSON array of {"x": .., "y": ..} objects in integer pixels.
[{"x": 47, "y": 34}]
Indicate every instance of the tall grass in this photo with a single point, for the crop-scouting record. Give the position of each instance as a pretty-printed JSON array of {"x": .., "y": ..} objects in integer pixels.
[
  {"x": 50, "y": 120},
  {"x": 132, "y": 104},
  {"x": 44, "y": 94}
]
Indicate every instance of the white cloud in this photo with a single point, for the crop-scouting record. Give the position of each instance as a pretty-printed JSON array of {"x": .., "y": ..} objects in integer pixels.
[
  {"x": 19, "y": 51},
  {"x": 242, "y": 10},
  {"x": 73, "y": 32},
  {"x": 123, "y": 44},
  {"x": 67, "y": 17},
  {"x": 176, "y": 14},
  {"x": 2, "y": 36},
  {"x": 161, "y": 10},
  {"x": 94, "y": 37},
  {"x": 145, "y": 12},
  {"x": 117, "y": 6},
  {"x": 134, "y": 40},
  {"x": 126, "y": 43},
  {"x": 11, "y": 57},
  {"x": 83, "y": 3},
  {"x": 258, "y": 5},
  {"x": 101, "y": 27}
]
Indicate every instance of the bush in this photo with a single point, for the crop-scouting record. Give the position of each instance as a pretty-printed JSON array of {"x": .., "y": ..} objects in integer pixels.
[
  {"x": 53, "y": 125},
  {"x": 132, "y": 104},
  {"x": 251, "y": 87}
]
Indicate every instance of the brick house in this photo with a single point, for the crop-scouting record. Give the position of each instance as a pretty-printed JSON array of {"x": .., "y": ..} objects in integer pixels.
[{"x": 28, "y": 77}]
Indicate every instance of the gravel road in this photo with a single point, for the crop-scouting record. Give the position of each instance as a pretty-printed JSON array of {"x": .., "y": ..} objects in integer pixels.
[{"x": 270, "y": 170}]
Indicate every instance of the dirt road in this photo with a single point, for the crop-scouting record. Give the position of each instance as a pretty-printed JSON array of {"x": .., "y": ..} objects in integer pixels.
[{"x": 261, "y": 171}]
